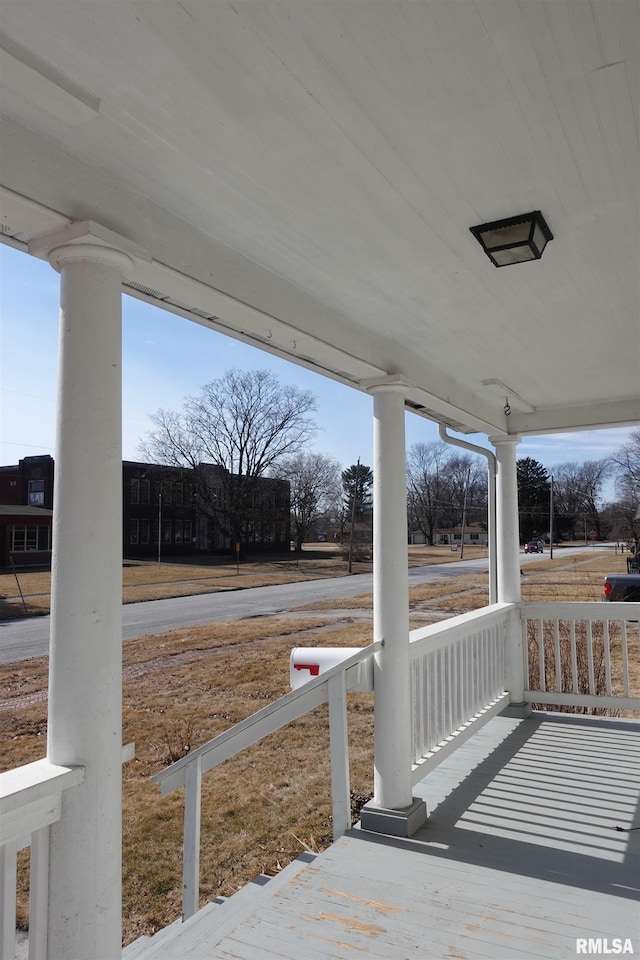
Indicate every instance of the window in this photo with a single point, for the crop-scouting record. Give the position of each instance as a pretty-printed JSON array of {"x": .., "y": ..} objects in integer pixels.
[
  {"x": 140, "y": 491},
  {"x": 144, "y": 531},
  {"x": 26, "y": 538},
  {"x": 182, "y": 531},
  {"x": 133, "y": 530},
  {"x": 474, "y": 536},
  {"x": 36, "y": 493}
]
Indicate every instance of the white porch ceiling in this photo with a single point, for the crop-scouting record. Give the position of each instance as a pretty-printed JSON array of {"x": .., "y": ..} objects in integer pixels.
[{"x": 304, "y": 174}]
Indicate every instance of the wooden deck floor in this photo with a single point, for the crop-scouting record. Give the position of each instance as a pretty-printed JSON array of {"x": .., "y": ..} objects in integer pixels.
[{"x": 520, "y": 857}]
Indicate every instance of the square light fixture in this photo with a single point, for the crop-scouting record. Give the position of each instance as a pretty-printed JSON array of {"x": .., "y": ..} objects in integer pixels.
[{"x": 514, "y": 240}]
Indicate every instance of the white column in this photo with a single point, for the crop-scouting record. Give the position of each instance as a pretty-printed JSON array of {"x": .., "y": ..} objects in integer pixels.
[
  {"x": 507, "y": 524},
  {"x": 393, "y": 809},
  {"x": 85, "y": 661},
  {"x": 508, "y": 543}
]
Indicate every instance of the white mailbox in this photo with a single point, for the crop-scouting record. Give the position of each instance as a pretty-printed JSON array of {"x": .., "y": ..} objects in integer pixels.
[{"x": 306, "y": 663}]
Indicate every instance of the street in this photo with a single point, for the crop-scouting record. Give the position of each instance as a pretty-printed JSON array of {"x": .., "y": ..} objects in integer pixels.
[{"x": 24, "y": 639}]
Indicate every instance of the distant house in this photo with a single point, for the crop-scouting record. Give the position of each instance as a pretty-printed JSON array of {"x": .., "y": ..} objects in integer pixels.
[
  {"x": 162, "y": 514},
  {"x": 473, "y": 533}
]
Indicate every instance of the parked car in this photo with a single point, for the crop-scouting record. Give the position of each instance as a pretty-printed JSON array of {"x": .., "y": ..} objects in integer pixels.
[
  {"x": 622, "y": 586},
  {"x": 534, "y": 546},
  {"x": 633, "y": 563}
]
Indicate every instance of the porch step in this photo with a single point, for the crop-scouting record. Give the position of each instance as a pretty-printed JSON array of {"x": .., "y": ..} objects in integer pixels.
[{"x": 208, "y": 926}]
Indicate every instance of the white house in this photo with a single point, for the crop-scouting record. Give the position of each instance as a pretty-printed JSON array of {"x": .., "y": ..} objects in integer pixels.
[{"x": 315, "y": 179}]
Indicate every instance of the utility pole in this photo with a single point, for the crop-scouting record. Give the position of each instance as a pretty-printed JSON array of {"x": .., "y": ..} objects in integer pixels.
[
  {"x": 159, "y": 524},
  {"x": 551, "y": 519}
]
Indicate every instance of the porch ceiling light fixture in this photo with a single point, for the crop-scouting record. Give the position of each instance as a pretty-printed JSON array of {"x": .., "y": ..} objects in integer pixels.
[{"x": 514, "y": 240}]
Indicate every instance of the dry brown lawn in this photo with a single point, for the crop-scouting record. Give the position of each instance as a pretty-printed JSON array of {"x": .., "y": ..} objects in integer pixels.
[
  {"x": 150, "y": 581},
  {"x": 263, "y": 808}
]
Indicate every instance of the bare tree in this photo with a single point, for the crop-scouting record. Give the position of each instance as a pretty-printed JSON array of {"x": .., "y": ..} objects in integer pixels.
[
  {"x": 578, "y": 493},
  {"x": 232, "y": 434},
  {"x": 426, "y": 480},
  {"x": 314, "y": 480},
  {"x": 439, "y": 480},
  {"x": 626, "y": 466}
]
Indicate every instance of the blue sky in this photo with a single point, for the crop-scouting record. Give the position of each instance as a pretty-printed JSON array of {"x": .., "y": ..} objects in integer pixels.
[{"x": 166, "y": 358}]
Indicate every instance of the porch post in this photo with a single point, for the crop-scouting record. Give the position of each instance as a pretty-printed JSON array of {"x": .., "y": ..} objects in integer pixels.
[
  {"x": 393, "y": 810},
  {"x": 508, "y": 543},
  {"x": 85, "y": 661},
  {"x": 507, "y": 524}
]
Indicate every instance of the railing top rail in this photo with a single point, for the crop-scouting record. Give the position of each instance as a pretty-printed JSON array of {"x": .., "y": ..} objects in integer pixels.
[
  {"x": 448, "y": 631},
  {"x": 35, "y": 781},
  {"x": 579, "y": 610},
  {"x": 290, "y": 706}
]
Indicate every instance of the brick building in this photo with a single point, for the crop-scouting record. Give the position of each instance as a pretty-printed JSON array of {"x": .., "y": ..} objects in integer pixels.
[
  {"x": 26, "y": 514},
  {"x": 164, "y": 512}
]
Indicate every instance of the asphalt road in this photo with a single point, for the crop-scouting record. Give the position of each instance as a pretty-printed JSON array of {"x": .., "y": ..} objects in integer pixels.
[{"x": 24, "y": 639}]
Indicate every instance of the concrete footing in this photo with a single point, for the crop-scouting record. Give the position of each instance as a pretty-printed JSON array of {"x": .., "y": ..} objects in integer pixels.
[{"x": 394, "y": 823}]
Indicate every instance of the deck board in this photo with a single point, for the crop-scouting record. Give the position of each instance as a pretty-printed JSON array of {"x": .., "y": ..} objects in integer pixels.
[{"x": 519, "y": 858}]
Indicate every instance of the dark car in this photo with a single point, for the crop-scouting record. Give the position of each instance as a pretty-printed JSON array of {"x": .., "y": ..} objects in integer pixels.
[
  {"x": 633, "y": 563},
  {"x": 534, "y": 546}
]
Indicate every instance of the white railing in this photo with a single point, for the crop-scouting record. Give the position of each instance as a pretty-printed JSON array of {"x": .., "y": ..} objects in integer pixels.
[
  {"x": 30, "y": 801},
  {"x": 331, "y": 687},
  {"x": 457, "y": 681},
  {"x": 460, "y": 671},
  {"x": 582, "y": 654}
]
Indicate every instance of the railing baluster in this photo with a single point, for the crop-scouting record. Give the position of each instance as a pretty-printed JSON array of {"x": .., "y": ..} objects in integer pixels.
[
  {"x": 556, "y": 646},
  {"x": 415, "y": 716},
  {"x": 607, "y": 656},
  {"x": 625, "y": 656},
  {"x": 339, "y": 743},
  {"x": 442, "y": 696},
  {"x": 449, "y": 668},
  {"x": 469, "y": 677},
  {"x": 456, "y": 685},
  {"x": 592, "y": 685},
  {"x": 542, "y": 680},
  {"x": 574, "y": 658},
  {"x": 8, "y": 875},
  {"x": 191, "y": 849},
  {"x": 39, "y": 894}
]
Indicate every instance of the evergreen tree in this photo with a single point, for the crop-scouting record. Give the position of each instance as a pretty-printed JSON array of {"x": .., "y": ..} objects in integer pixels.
[{"x": 533, "y": 499}]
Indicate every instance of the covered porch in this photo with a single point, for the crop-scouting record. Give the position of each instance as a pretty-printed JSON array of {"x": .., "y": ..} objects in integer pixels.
[
  {"x": 526, "y": 854},
  {"x": 305, "y": 178}
]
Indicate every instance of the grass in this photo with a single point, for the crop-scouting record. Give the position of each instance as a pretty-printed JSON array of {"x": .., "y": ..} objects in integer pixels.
[{"x": 264, "y": 807}]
